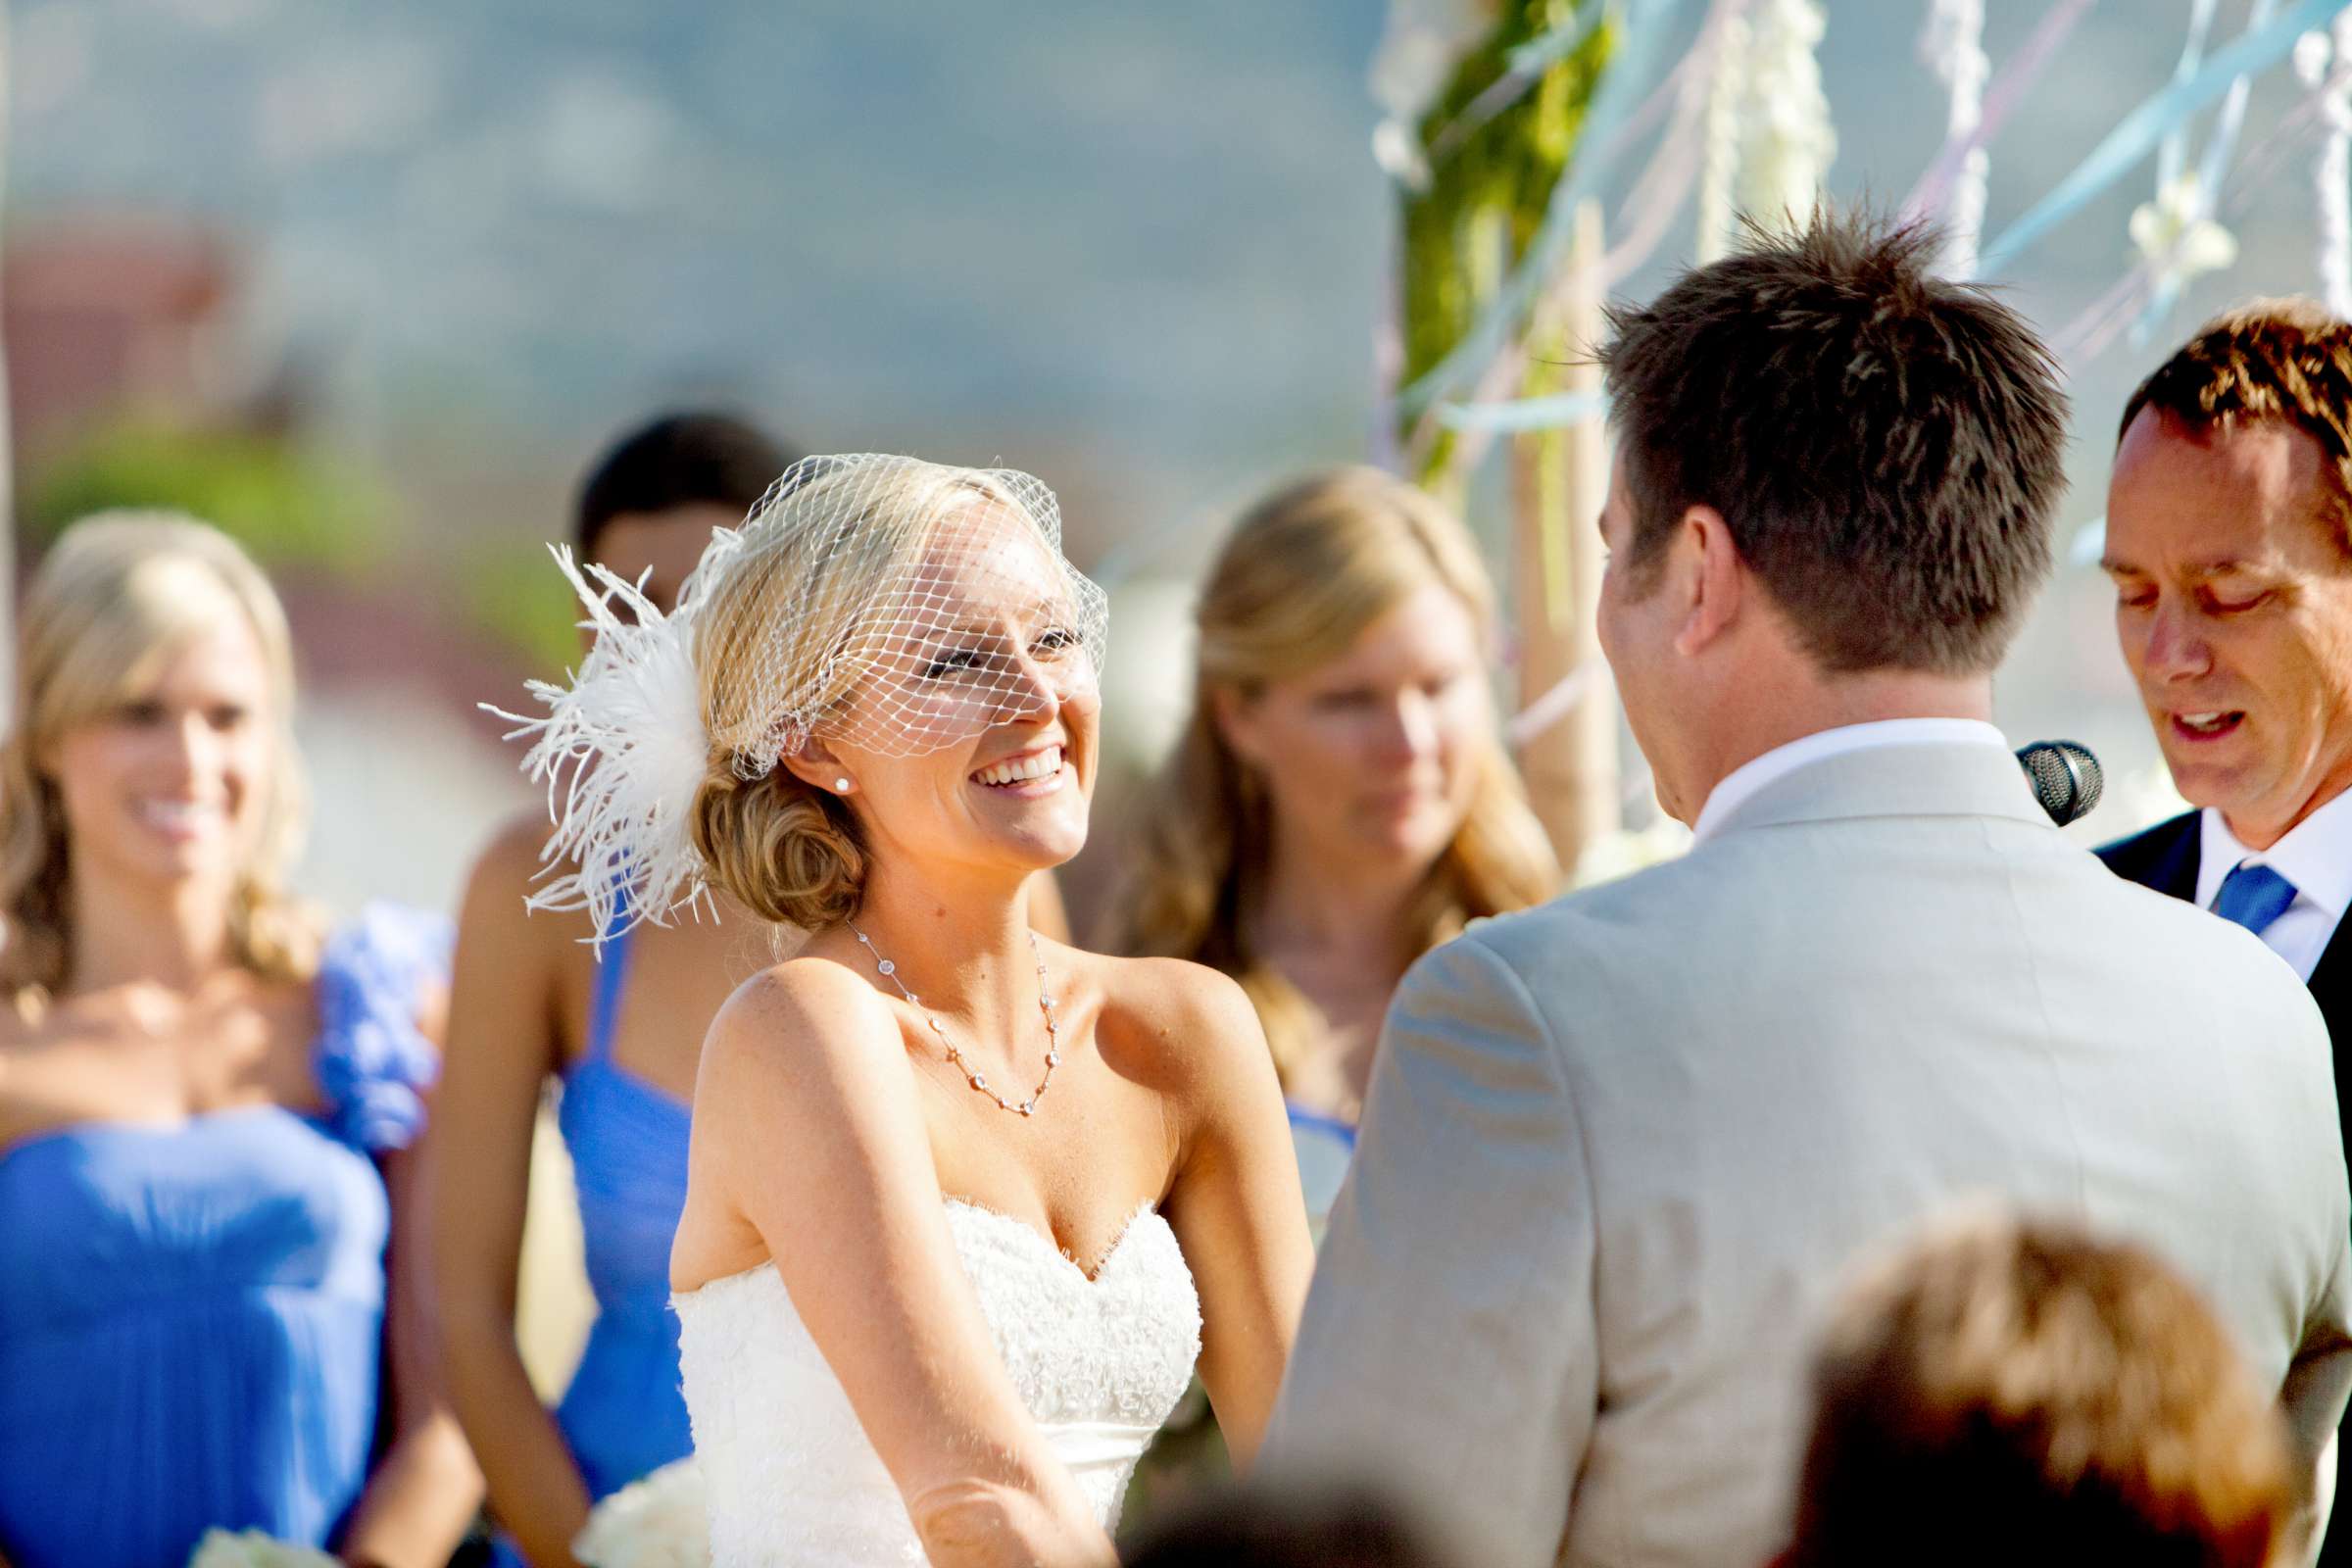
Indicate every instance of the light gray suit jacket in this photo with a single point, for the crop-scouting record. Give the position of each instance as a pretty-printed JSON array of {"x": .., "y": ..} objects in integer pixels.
[{"x": 1621, "y": 1152}]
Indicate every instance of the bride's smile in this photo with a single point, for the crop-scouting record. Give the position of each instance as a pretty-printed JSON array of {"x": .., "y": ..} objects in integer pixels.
[{"x": 892, "y": 729}]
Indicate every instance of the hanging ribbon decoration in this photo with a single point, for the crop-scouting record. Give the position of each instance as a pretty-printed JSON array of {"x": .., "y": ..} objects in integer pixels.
[
  {"x": 2253, "y": 52},
  {"x": 2325, "y": 69},
  {"x": 1953, "y": 47},
  {"x": 1597, "y": 145}
]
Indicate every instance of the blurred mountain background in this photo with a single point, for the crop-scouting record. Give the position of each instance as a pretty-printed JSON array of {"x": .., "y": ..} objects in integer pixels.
[{"x": 375, "y": 284}]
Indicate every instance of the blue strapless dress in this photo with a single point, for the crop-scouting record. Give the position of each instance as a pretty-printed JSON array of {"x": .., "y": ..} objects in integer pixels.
[
  {"x": 191, "y": 1315},
  {"x": 622, "y": 1413}
]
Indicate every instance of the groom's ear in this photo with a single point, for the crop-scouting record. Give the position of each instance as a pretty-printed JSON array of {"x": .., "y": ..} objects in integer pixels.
[{"x": 1706, "y": 571}]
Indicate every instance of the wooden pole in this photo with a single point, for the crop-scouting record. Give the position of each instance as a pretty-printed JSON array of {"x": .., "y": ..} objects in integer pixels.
[{"x": 1559, "y": 481}]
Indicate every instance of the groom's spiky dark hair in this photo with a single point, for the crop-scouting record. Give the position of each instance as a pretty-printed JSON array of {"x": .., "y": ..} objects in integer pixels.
[{"x": 1885, "y": 445}]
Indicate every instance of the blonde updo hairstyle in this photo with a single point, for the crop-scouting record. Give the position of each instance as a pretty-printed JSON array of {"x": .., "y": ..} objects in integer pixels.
[
  {"x": 788, "y": 624},
  {"x": 121, "y": 595},
  {"x": 1300, "y": 578}
]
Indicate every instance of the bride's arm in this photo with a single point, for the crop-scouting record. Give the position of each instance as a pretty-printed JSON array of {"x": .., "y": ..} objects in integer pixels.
[
  {"x": 1236, "y": 1204},
  {"x": 809, "y": 1132}
]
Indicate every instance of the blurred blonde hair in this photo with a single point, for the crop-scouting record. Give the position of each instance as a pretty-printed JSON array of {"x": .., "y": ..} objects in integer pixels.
[
  {"x": 109, "y": 608},
  {"x": 2018, "y": 1390},
  {"x": 790, "y": 619},
  {"x": 1303, "y": 575}
]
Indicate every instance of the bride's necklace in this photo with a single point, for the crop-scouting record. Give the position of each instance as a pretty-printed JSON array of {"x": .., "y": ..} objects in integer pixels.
[{"x": 979, "y": 1081}]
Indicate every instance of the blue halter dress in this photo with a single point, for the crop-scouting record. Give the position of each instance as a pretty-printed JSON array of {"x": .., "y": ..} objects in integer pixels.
[
  {"x": 191, "y": 1313},
  {"x": 623, "y": 1414}
]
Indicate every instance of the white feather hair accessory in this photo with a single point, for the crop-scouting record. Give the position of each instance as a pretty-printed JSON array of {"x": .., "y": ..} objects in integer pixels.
[
  {"x": 623, "y": 752},
  {"x": 888, "y": 605}
]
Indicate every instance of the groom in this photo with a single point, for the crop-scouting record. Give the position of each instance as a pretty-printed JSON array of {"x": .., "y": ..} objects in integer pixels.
[{"x": 1620, "y": 1151}]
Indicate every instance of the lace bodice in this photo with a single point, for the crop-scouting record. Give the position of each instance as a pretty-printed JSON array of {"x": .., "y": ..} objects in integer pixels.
[{"x": 790, "y": 1476}]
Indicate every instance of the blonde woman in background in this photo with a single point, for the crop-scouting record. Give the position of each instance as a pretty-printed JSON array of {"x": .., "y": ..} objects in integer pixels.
[
  {"x": 210, "y": 1299},
  {"x": 1340, "y": 801}
]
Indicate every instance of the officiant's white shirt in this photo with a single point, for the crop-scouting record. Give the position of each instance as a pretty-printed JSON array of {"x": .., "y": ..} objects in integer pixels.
[{"x": 2315, "y": 855}]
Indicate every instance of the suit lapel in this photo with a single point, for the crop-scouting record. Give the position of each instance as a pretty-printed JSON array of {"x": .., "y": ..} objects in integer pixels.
[
  {"x": 2331, "y": 985},
  {"x": 2173, "y": 869}
]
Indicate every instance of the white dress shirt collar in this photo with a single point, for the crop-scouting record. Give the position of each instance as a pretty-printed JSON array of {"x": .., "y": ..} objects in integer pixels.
[
  {"x": 1744, "y": 782},
  {"x": 2315, "y": 855}
]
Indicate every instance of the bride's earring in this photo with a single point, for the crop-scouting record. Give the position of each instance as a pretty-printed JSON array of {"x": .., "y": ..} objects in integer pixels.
[{"x": 842, "y": 785}]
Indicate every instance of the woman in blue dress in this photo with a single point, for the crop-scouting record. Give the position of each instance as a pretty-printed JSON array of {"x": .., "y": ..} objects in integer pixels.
[
  {"x": 531, "y": 1002},
  {"x": 210, "y": 1310},
  {"x": 1340, "y": 801}
]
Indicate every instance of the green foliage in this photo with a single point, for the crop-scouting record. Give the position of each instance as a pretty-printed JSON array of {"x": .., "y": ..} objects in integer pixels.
[
  {"x": 513, "y": 592},
  {"x": 287, "y": 505},
  {"x": 1488, "y": 193}
]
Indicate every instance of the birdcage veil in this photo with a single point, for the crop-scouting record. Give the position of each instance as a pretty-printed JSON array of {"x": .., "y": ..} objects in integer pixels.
[{"x": 881, "y": 603}]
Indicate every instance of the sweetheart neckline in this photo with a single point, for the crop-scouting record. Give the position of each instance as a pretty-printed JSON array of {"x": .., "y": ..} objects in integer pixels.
[{"x": 1147, "y": 1209}]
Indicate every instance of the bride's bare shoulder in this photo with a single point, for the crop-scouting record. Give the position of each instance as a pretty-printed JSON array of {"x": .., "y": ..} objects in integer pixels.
[
  {"x": 806, "y": 1024},
  {"x": 1180, "y": 1018}
]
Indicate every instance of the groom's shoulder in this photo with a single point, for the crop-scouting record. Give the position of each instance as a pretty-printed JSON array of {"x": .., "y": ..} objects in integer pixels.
[
  {"x": 1595, "y": 936},
  {"x": 1645, "y": 907}
]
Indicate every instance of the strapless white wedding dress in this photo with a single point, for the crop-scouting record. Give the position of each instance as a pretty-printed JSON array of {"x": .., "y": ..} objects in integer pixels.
[{"x": 788, "y": 1474}]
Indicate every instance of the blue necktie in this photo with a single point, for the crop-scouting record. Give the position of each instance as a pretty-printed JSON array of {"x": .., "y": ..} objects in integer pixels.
[{"x": 2253, "y": 896}]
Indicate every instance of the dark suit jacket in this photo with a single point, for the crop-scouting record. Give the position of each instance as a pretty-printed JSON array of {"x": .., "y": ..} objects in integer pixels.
[{"x": 2164, "y": 857}]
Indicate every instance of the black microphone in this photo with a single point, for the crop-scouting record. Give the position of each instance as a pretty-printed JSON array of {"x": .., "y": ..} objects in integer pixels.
[{"x": 2067, "y": 779}]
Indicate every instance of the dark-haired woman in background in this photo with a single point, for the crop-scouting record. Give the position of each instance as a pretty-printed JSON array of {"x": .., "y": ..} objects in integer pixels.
[
  {"x": 212, "y": 1312},
  {"x": 1340, "y": 801},
  {"x": 531, "y": 1002}
]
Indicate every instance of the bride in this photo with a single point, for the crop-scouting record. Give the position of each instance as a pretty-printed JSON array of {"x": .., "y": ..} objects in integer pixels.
[{"x": 964, "y": 1205}]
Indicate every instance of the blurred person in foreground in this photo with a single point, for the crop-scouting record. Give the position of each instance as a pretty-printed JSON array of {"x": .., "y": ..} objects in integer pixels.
[
  {"x": 1618, "y": 1150},
  {"x": 623, "y": 1035},
  {"x": 1344, "y": 1527},
  {"x": 1340, "y": 801},
  {"x": 213, "y": 1310},
  {"x": 2229, "y": 543},
  {"x": 2024, "y": 1393}
]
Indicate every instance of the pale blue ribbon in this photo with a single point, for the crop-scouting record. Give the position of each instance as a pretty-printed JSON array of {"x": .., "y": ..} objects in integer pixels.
[
  {"x": 2210, "y": 170},
  {"x": 2156, "y": 120},
  {"x": 1522, "y": 68},
  {"x": 1523, "y": 414},
  {"x": 1537, "y": 54},
  {"x": 1622, "y": 83},
  {"x": 2255, "y": 50},
  {"x": 2173, "y": 154}
]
